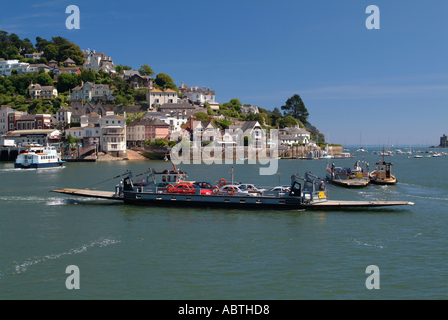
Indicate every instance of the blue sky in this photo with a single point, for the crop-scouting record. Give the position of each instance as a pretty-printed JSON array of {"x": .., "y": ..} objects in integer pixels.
[{"x": 359, "y": 85}]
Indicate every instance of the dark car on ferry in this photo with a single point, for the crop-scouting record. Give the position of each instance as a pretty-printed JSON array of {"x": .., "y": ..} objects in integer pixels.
[{"x": 203, "y": 185}]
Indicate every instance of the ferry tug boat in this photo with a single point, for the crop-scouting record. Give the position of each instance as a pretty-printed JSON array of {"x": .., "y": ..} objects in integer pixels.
[
  {"x": 382, "y": 174},
  {"x": 307, "y": 192},
  {"x": 47, "y": 157}
]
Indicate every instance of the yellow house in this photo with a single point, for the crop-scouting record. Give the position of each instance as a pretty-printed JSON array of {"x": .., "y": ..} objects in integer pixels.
[{"x": 159, "y": 97}]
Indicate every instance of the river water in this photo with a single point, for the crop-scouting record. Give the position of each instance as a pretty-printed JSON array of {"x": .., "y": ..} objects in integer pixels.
[{"x": 130, "y": 252}]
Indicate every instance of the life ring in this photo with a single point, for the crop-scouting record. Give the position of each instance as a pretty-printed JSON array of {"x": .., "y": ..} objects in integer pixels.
[
  {"x": 230, "y": 190},
  {"x": 170, "y": 188},
  {"x": 215, "y": 189},
  {"x": 222, "y": 182}
]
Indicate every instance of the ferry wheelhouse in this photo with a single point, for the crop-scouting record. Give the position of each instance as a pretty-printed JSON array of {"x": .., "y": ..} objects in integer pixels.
[{"x": 47, "y": 157}]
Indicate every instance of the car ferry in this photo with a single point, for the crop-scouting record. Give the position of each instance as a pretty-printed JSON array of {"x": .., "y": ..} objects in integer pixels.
[
  {"x": 47, "y": 157},
  {"x": 355, "y": 177},
  {"x": 304, "y": 193}
]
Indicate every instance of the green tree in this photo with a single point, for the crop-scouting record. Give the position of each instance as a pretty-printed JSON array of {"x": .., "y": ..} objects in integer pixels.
[
  {"x": 295, "y": 107},
  {"x": 202, "y": 116},
  {"x": 51, "y": 52},
  {"x": 67, "y": 81},
  {"x": 162, "y": 79},
  {"x": 146, "y": 70},
  {"x": 287, "y": 121},
  {"x": 234, "y": 104},
  {"x": 119, "y": 68},
  {"x": 44, "y": 79},
  {"x": 88, "y": 76}
]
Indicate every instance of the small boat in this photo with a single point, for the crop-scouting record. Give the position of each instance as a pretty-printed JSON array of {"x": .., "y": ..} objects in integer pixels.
[
  {"x": 47, "y": 157},
  {"x": 387, "y": 153},
  {"x": 382, "y": 174},
  {"x": 418, "y": 156},
  {"x": 344, "y": 155},
  {"x": 349, "y": 177}
]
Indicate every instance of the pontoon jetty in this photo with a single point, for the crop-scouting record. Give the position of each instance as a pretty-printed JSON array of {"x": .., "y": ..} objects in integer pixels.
[{"x": 173, "y": 191}]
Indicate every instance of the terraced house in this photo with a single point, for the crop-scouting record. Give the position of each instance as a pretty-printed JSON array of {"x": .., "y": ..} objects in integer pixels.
[{"x": 138, "y": 131}]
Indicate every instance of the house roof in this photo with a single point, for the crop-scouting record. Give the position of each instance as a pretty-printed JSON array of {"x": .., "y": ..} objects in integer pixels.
[
  {"x": 45, "y": 88},
  {"x": 27, "y": 117},
  {"x": 296, "y": 130},
  {"x": 177, "y": 106},
  {"x": 112, "y": 117},
  {"x": 130, "y": 72},
  {"x": 69, "y": 61},
  {"x": 249, "y": 125},
  {"x": 39, "y": 65}
]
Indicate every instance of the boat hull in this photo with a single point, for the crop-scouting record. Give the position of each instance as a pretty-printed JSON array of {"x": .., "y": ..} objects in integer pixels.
[
  {"x": 224, "y": 202},
  {"x": 350, "y": 183},
  {"x": 213, "y": 201},
  {"x": 37, "y": 165},
  {"x": 387, "y": 181}
]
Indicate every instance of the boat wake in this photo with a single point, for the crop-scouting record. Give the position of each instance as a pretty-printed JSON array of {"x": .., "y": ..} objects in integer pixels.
[
  {"x": 54, "y": 201},
  {"x": 22, "y": 266}
]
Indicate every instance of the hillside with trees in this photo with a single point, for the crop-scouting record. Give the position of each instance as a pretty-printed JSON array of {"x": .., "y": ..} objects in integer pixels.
[{"x": 14, "y": 88}]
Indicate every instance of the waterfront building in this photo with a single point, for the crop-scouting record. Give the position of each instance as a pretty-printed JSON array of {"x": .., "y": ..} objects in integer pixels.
[
  {"x": 4, "y": 112},
  {"x": 36, "y": 136},
  {"x": 139, "y": 131},
  {"x": 113, "y": 135}
]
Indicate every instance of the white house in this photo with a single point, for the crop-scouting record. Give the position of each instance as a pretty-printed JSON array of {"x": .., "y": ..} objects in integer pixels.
[
  {"x": 63, "y": 116},
  {"x": 113, "y": 135},
  {"x": 91, "y": 91},
  {"x": 98, "y": 60},
  {"x": 201, "y": 95},
  {"x": 287, "y": 139},
  {"x": 175, "y": 119},
  {"x": 36, "y": 55},
  {"x": 256, "y": 132},
  {"x": 204, "y": 132},
  {"x": 6, "y": 66},
  {"x": 248, "y": 109}
]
